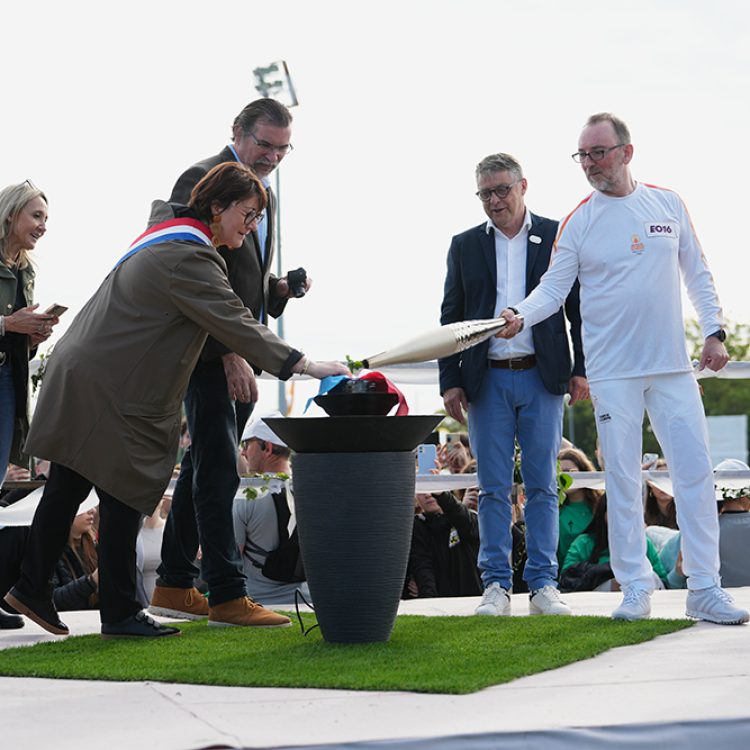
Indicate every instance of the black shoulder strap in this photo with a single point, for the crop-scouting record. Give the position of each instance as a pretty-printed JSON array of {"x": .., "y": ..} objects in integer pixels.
[{"x": 283, "y": 514}]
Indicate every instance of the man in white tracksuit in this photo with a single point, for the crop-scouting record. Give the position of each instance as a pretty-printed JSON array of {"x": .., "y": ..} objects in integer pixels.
[{"x": 629, "y": 244}]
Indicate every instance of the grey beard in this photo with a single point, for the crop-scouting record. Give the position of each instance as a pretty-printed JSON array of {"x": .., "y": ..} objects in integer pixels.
[{"x": 600, "y": 184}]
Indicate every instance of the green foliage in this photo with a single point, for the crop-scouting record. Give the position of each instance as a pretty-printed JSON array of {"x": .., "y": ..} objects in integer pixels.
[
  {"x": 737, "y": 343},
  {"x": 580, "y": 428},
  {"x": 252, "y": 492},
  {"x": 724, "y": 397},
  {"x": 720, "y": 397},
  {"x": 354, "y": 365},
  {"x": 38, "y": 376},
  {"x": 564, "y": 481},
  {"x": 425, "y": 654},
  {"x": 449, "y": 424}
]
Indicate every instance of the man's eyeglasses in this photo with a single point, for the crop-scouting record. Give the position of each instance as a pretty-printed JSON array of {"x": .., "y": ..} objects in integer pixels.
[
  {"x": 501, "y": 191},
  {"x": 266, "y": 146},
  {"x": 596, "y": 154}
]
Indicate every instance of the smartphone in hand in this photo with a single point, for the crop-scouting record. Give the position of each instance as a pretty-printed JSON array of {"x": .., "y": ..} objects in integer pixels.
[
  {"x": 426, "y": 458},
  {"x": 56, "y": 310}
]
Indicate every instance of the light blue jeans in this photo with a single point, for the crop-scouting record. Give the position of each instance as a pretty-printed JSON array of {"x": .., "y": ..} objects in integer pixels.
[
  {"x": 7, "y": 417},
  {"x": 515, "y": 404}
]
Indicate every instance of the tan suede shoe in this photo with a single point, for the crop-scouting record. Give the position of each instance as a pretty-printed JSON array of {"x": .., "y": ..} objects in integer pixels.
[
  {"x": 244, "y": 612},
  {"x": 184, "y": 604}
]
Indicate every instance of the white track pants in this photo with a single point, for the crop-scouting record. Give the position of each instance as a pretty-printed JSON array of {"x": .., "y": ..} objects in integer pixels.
[{"x": 676, "y": 412}]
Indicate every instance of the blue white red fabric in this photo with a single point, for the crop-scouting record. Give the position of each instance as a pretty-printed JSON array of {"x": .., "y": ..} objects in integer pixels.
[{"x": 187, "y": 230}]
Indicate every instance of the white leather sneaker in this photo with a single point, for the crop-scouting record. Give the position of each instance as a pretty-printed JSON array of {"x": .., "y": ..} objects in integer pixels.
[
  {"x": 636, "y": 605},
  {"x": 714, "y": 605},
  {"x": 495, "y": 601},
  {"x": 547, "y": 601}
]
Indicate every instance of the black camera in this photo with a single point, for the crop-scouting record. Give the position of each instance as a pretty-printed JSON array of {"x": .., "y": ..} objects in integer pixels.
[{"x": 296, "y": 280}]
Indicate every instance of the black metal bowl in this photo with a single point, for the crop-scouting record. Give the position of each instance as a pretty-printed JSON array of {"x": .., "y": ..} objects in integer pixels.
[
  {"x": 356, "y": 404},
  {"x": 353, "y": 434}
]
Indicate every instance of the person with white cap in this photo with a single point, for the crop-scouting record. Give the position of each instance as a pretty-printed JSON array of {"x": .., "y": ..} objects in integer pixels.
[
  {"x": 264, "y": 526},
  {"x": 734, "y": 524}
]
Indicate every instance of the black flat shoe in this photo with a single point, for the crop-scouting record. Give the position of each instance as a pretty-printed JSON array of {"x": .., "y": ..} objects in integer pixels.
[
  {"x": 138, "y": 626},
  {"x": 10, "y": 622},
  {"x": 41, "y": 611}
]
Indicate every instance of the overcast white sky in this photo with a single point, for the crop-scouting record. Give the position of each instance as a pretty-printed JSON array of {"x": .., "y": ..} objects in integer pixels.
[{"x": 104, "y": 105}]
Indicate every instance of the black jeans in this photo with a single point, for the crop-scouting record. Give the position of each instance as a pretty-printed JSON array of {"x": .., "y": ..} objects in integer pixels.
[
  {"x": 118, "y": 528},
  {"x": 203, "y": 497}
]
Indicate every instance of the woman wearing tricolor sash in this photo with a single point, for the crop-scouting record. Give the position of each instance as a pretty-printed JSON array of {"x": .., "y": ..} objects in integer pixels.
[{"x": 108, "y": 414}]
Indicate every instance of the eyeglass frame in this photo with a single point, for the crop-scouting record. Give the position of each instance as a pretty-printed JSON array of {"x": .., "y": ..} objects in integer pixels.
[
  {"x": 579, "y": 156},
  {"x": 266, "y": 146},
  {"x": 258, "y": 216},
  {"x": 494, "y": 191}
]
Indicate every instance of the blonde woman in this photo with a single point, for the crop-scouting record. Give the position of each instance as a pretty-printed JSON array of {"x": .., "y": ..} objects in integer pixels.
[{"x": 23, "y": 221}]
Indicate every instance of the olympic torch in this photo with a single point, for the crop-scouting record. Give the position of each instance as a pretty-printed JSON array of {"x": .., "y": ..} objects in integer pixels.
[{"x": 440, "y": 342}]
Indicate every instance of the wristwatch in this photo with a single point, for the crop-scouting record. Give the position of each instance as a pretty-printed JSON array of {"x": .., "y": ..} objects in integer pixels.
[{"x": 721, "y": 334}]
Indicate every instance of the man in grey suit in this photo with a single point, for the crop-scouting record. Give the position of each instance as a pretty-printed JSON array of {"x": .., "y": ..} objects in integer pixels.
[{"x": 222, "y": 391}]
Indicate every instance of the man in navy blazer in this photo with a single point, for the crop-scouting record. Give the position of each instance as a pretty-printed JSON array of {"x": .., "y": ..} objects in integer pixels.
[{"x": 513, "y": 392}]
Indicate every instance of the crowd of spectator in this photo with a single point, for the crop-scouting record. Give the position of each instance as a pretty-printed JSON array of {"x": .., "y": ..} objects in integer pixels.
[{"x": 445, "y": 539}]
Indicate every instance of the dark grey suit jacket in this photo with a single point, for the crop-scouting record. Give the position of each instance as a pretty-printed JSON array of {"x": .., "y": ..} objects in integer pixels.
[
  {"x": 470, "y": 293},
  {"x": 250, "y": 278}
]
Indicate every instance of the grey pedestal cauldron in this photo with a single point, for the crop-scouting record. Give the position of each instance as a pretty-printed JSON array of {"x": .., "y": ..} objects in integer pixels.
[{"x": 354, "y": 480}]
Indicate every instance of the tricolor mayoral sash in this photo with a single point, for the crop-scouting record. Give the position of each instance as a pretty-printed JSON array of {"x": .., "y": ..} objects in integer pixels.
[{"x": 188, "y": 230}]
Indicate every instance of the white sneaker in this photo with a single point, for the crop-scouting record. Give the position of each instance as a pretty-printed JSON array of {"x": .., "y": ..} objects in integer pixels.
[
  {"x": 547, "y": 601},
  {"x": 636, "y": 605},
  {"x": 495, "y": 601},
  {"x": 714, "y": 605}
]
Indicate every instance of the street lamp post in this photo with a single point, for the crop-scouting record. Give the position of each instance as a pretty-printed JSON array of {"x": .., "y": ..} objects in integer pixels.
[{"x": 274, "y": 82}]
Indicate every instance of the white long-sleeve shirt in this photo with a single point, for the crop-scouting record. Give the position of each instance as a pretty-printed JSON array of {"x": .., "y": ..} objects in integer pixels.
[{"x": 629, "y": 254}]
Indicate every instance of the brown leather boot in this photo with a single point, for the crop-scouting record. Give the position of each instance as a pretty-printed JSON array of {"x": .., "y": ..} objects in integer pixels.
[
  {"x": 182, "y": 604},
  {"x": 244, "y": 612}
]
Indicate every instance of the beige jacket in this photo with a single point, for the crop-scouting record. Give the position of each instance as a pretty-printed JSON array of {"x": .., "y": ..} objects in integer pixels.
[{"x": 110, "y": 403}]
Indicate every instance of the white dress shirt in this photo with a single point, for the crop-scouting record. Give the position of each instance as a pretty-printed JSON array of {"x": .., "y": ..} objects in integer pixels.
[{"x": 510, "y": 258}]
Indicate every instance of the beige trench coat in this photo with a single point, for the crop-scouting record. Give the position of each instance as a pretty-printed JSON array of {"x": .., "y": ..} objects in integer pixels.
[{"x": 110, "y": 403}]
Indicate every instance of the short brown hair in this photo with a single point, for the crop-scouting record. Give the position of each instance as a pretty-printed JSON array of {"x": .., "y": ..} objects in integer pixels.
[
  {"x": 225, "y": 184},
  {"x": 578, "y": 457}
]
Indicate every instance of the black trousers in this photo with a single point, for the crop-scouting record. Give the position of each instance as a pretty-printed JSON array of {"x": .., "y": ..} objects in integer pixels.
[
  {"x": 12, "y": 547},
  {"x": 118, "y": 528},
  {"x": 203, "y": 497}
]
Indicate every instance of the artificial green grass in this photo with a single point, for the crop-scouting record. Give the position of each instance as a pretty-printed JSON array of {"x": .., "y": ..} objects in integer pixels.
[{"x": 425, "y": 654}]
